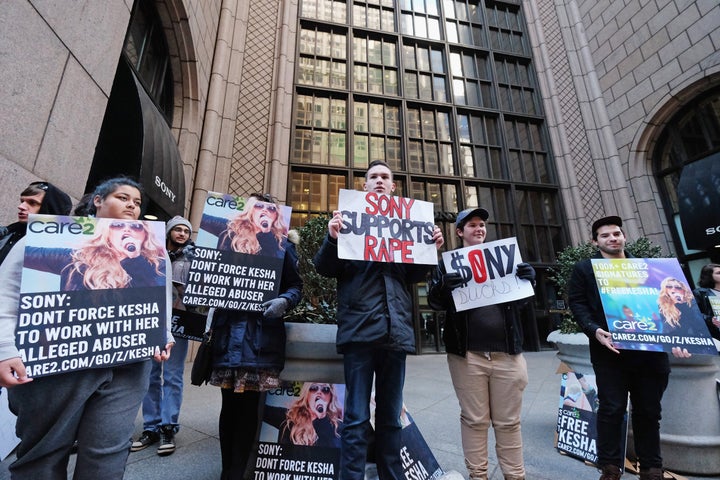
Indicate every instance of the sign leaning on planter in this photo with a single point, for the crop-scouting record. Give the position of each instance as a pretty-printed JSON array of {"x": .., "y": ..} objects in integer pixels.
[
  {"x": 384, "y": 228},
  {"x": 299, "y": 437},
  {"x": 649, "y": 305},
  {"x": 488, "y": 273}
]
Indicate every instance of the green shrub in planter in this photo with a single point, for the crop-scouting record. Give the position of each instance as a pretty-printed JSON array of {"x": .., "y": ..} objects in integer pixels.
[
  {"x": 569, "y": 256},
  {"x": 319, "y": 300}
]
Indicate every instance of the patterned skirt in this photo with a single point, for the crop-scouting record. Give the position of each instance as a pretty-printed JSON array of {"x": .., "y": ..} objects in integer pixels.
[{"x": 245, "y": 379}]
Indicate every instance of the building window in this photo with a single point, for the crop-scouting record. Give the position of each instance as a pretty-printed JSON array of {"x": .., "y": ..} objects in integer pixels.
[
  {"x": 447, "y": 96},
  {"x": 692, "y": 134},
  {"x": 146, "y": 51}
]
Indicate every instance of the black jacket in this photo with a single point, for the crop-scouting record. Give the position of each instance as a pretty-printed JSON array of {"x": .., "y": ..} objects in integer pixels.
[
  {"x": 374, "y": 300},
  {"x": 456, "y": 323},
  {"x": 703, "y": 302}
]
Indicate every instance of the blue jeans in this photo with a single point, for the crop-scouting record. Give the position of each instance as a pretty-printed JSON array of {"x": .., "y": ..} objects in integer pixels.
[
  {"x": 96, "y": 407},
  {"x": 161, "y": 405},
  {"x": 388, "y": 366}
]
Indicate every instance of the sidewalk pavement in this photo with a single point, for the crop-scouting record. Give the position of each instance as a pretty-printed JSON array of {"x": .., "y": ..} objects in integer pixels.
[{"x": 430, "y": 399}]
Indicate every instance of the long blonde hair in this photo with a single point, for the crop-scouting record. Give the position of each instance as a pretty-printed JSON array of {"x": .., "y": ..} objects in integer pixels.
[
  {"x": 300, "y": 416},
  {"x": 98, "y": 262},
  {"x": 668, "y": 309},
  {"x": 242, "y": 231}
]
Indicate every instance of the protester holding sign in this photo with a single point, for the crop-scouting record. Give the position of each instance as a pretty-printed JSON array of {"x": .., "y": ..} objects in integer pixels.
[
  {"x": 161, "y": 405},
  {"x": 708, "y": 297},
  {"x": 95, "y": 406},
  {"x": 643, "y": 374},
  {"x": 488, "y": 370},
  {"x": 248, "y": 355},
  {"x": 375, "y": 333}
]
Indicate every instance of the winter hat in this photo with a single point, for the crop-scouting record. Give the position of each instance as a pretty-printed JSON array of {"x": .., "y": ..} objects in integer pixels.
[{"x": 175, "y": 221}]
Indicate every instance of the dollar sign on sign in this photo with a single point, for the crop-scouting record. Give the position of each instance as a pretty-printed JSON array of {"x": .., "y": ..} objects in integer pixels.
[{"x": 457, "y": 265}]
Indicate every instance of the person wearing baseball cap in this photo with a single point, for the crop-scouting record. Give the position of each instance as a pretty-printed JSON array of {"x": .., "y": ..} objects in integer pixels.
[
  {"x": 485, "y": 359},
  {"x": 161, "y": 405},
  {"x": 642, "y": 374}
]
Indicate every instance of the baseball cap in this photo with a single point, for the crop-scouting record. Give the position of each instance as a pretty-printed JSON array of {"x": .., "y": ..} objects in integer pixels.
[
  {"x": 470, "y": 213},
  {"x": 601, "y": 222}
]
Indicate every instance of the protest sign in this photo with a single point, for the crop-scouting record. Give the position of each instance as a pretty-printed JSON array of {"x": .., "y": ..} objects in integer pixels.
[
  {"x": 187, "y": 324},
  {"x": 577, "y": 416},
  {"x": 239, "y": 253},
  {"x": 299, "y": 437},
  {"x": 648, "y": 305},
  {"x": 92, "y": 293},
  {"x": 383, "y": 228},
  {"x": 488, "y": 273}
]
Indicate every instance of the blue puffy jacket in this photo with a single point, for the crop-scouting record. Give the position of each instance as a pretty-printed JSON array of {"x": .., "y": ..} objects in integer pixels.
[{"x": 247, "y": 339}]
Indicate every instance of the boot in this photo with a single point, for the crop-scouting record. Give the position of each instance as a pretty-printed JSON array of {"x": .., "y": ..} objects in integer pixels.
[
  {"x": 611, "y": 472},
  {"x": 651, "y": 474}
]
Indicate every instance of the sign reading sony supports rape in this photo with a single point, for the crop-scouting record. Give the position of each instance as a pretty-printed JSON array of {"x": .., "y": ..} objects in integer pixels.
[
  {"x": 92, "y": 293},
  {"x": 239, "y": 253},
  {"x": 648, "y": 305},
  {"x": 488, "y": 274},
  {"x": 383, "y": 228}
]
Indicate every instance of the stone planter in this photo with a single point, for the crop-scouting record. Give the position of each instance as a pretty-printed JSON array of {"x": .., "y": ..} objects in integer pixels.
[
  {"x": 573, "y": 350},
  {"x": 690, "y": 427},
  {"x": 310, "y": 354}
]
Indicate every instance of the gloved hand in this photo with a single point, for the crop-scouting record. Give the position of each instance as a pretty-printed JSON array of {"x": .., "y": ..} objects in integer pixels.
[
  {"x": 525, "y": 271},
  {"x": 275, "y": 308},
  {"x": 451, "y": 281}
]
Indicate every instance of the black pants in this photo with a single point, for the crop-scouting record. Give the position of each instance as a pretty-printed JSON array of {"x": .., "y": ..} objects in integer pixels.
[
  {"x": 646, "y": 389},
  {"x": 238, "y": 427}
]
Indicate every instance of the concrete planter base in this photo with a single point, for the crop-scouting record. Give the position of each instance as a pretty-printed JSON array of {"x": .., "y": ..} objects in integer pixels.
[{"x": 310, "y": 354}]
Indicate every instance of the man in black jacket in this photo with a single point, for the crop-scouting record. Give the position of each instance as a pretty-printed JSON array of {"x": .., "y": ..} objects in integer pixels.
[
  {"x": 375, "y": 332},
  {"x": 642, "y": 374},
  {"x": 487, "y": 368},
  {"x": 38, "y": 197}
]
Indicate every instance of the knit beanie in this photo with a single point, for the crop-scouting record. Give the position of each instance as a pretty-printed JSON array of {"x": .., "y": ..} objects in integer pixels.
[{"x": 175, "y": 221}]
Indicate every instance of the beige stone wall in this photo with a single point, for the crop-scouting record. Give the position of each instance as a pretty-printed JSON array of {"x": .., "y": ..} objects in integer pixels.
[
  {"x": 651, "y": 59},
  {"x": 611, "y": 74},
  {"x": 57, "y": 65}
]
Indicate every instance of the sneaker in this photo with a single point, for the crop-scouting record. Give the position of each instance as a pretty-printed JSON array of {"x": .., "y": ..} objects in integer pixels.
[
  {"x": 167, "y": 440},
  {"x": 147, "y": 438}
]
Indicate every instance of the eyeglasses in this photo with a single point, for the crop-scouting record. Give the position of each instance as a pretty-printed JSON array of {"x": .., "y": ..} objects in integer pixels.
[
  {"x": 267, "y": 206},
  {"x": 323, "y": 389},
  {"x": 40, "y": 185},
  {"x": 138, "y": 227},
  {"x": 679, "y": 288}
]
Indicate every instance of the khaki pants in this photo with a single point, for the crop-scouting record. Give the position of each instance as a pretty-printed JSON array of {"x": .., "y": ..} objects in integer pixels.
[{"x": 490, "y": 393}]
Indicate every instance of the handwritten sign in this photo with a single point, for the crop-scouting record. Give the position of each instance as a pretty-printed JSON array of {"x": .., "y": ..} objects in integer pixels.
[
  {"x": 79, "y": 310},
  {"x": 488, "y": 273},
  {"x": 383, "y": 228},
  {"x": 648, "y": 305}
]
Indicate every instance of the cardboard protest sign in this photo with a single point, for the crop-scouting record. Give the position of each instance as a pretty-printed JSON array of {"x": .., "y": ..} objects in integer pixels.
[
  {"x": 92, "y": 293},
  {"x": 239, "y": 253},
  {"x": 488, "y": 273},
  {"x": 648, "y": 305},
  {"x": 577, "y": 416},
  {"x": 300, "y": 436},
  {"x": 383, "y": 228}
]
